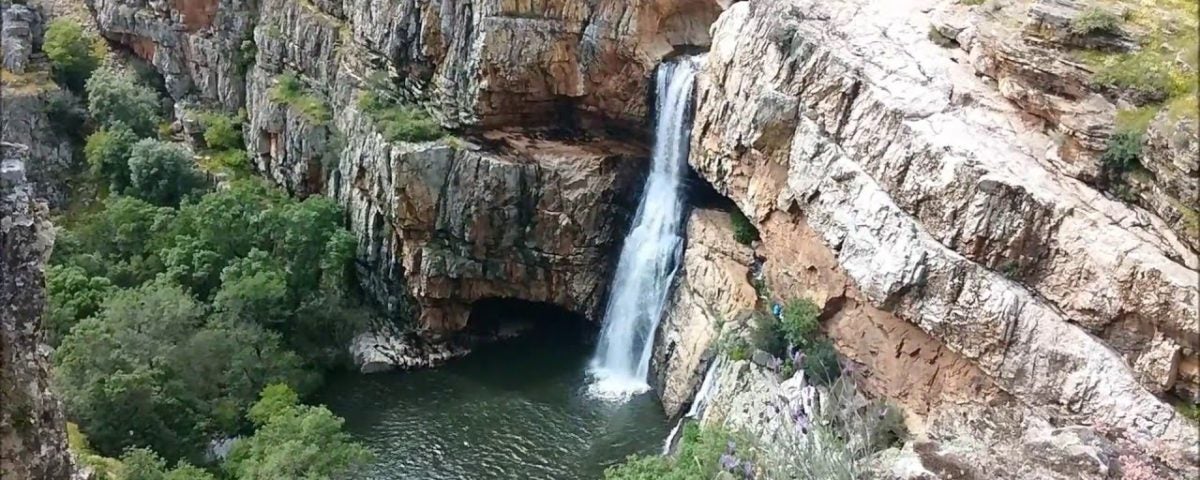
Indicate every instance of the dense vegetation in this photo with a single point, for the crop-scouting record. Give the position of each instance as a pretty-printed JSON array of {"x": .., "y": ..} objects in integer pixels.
[
  {"x": 173, "y": 304},
  {"x": 397, "y": 121}
]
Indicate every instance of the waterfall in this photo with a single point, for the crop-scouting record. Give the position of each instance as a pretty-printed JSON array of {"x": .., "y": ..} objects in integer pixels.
[
  {"x": 708, "y": 388},
  {"x": 652, "y": 249}
]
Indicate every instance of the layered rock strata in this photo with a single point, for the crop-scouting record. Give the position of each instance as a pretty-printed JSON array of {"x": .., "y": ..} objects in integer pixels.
[{"x": 940, "y": 209}]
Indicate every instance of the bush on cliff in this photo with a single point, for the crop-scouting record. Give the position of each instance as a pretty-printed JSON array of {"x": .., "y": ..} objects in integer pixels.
[
  {"x": 107, "y": 152},
  {"x": 162, "y": 173},
  {"x": 743, "y": 231},
  {"x": 290, "y": 90},
  {"x": 702, "y": 453},
  {"x": 74, "y": 54},
  {"x": 114, "y": 96},
  {"x": 397, "y": 121},
  {"x": 800, "y": 322}
]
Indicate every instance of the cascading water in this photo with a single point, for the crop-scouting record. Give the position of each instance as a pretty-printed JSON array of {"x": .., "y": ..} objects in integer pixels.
[
  {"x": 652, "y": 249},
  {"x": 708, "y": 388}
]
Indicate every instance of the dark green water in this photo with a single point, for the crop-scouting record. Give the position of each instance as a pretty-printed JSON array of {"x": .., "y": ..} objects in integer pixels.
[{"x": 516, "y": 410}]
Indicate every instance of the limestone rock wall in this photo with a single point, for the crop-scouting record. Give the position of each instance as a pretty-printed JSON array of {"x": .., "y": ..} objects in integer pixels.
[
  {"x": 33, "y": 441},
  {"x": 843, "y": 118},
  {"x": 712, "y": 289}
]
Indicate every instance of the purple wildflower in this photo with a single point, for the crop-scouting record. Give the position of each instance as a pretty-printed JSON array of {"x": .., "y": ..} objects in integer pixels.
[{"x": 729, "y": 462}]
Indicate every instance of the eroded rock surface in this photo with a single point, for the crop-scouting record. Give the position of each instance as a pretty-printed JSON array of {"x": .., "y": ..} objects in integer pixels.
[
  {"x": 712, "y": 288},
  {"x": 33, "y": 441},
  {"x": 943, "y": 211}
]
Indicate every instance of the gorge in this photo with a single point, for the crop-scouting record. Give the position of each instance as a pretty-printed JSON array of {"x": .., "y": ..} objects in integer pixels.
[{"x": 974, "y": 220}]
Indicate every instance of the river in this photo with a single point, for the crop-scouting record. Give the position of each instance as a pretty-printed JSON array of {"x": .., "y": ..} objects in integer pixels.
[{"x": 513, "y": 410}]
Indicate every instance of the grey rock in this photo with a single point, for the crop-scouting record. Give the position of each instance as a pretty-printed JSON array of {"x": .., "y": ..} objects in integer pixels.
[
  {"x": 32, "y": 426},
  {"x": 886, "y": 163},
  {"x": 21, "y": 35}
]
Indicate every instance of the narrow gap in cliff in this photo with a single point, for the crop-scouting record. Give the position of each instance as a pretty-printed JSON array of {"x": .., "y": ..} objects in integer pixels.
[{"x": 505, "y": 318}]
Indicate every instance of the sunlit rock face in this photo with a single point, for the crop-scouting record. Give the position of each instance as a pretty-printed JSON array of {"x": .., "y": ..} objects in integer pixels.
[{"x": 905, "y": 195}]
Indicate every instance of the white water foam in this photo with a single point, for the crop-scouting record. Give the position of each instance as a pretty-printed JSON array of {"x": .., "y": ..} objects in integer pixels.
[{"x": 651, "y": 252}]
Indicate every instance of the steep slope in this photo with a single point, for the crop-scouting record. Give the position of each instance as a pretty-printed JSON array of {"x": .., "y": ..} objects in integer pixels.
[{"x": 33, "y": 441}]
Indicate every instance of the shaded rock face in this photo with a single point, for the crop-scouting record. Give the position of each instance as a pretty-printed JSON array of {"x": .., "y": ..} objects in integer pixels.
[
  {"x": 21, "y": 35},
  {"x": 27, "y": 93},
  {"x": 32, "y": 427},
  {"x": 712, "y": 288},
  {"x": 944, "y": 212},
  {"x": 447, "y": 226}
]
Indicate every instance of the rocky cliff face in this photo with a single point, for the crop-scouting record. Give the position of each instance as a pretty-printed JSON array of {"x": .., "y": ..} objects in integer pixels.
[
  {"x": 712, "y": 289},
  {"x": 26, "y": 102},
  {"x": 32, "y": 427},
  {"x": 515, "y": 209},
  {"x": 931, "y": 173},
  {"x": 900, "y": 191}
]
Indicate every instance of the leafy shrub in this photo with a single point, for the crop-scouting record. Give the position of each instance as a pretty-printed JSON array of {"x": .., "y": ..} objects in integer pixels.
[
  {"x": 768, "y": 335},
  {"x": 73, "y": 53},
  {"x": 702, "y": 454},
  {"x": 743, "y": 231},
  {"x": 161, "y": 172},
  {"x": 821, "y": 363},
  {"x": 398, "y": 122},
  {"x": 837, "y": 440},
  {"x": 289, "y": 90},
  {"x": 800, "y": 322},
  {"x": 115, "y": 97},
  {"x": 1145, "y": 74},
  {"x": 222, "y": 131},
  {"x": 234, "y": 161},
  {"x": 1095, "y": 21},
  {"x": 246, "y": 54},
  {"x": 1191, "y": 411},
  {"x": 107, "y": 152},
  {"x": 67, "y": 116},
  {"x": 735, "y": 347},
  {"x": 1122, "y": 152}
]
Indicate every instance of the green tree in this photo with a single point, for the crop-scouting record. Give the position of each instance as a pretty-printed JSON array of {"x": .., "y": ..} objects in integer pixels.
[
  {"x": 113, "y": 370},
  {"x": 119, "y": 242},
  {"x": 107, "y": 151},
  {"x": 254, "y": 289},
  {"x": 161, "y": 172},
  {"x": 143, "y": 464},
  {"x": 115, "y": 96},
  {"x": 274, "y": 400},
  {"x": 73, "y": 54},
  {"x": 149, "y": 369},
  {"x": 295, "y": 441},
  {"x": 800, "y": 322},
  {"x": 74, "y": 295}
]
